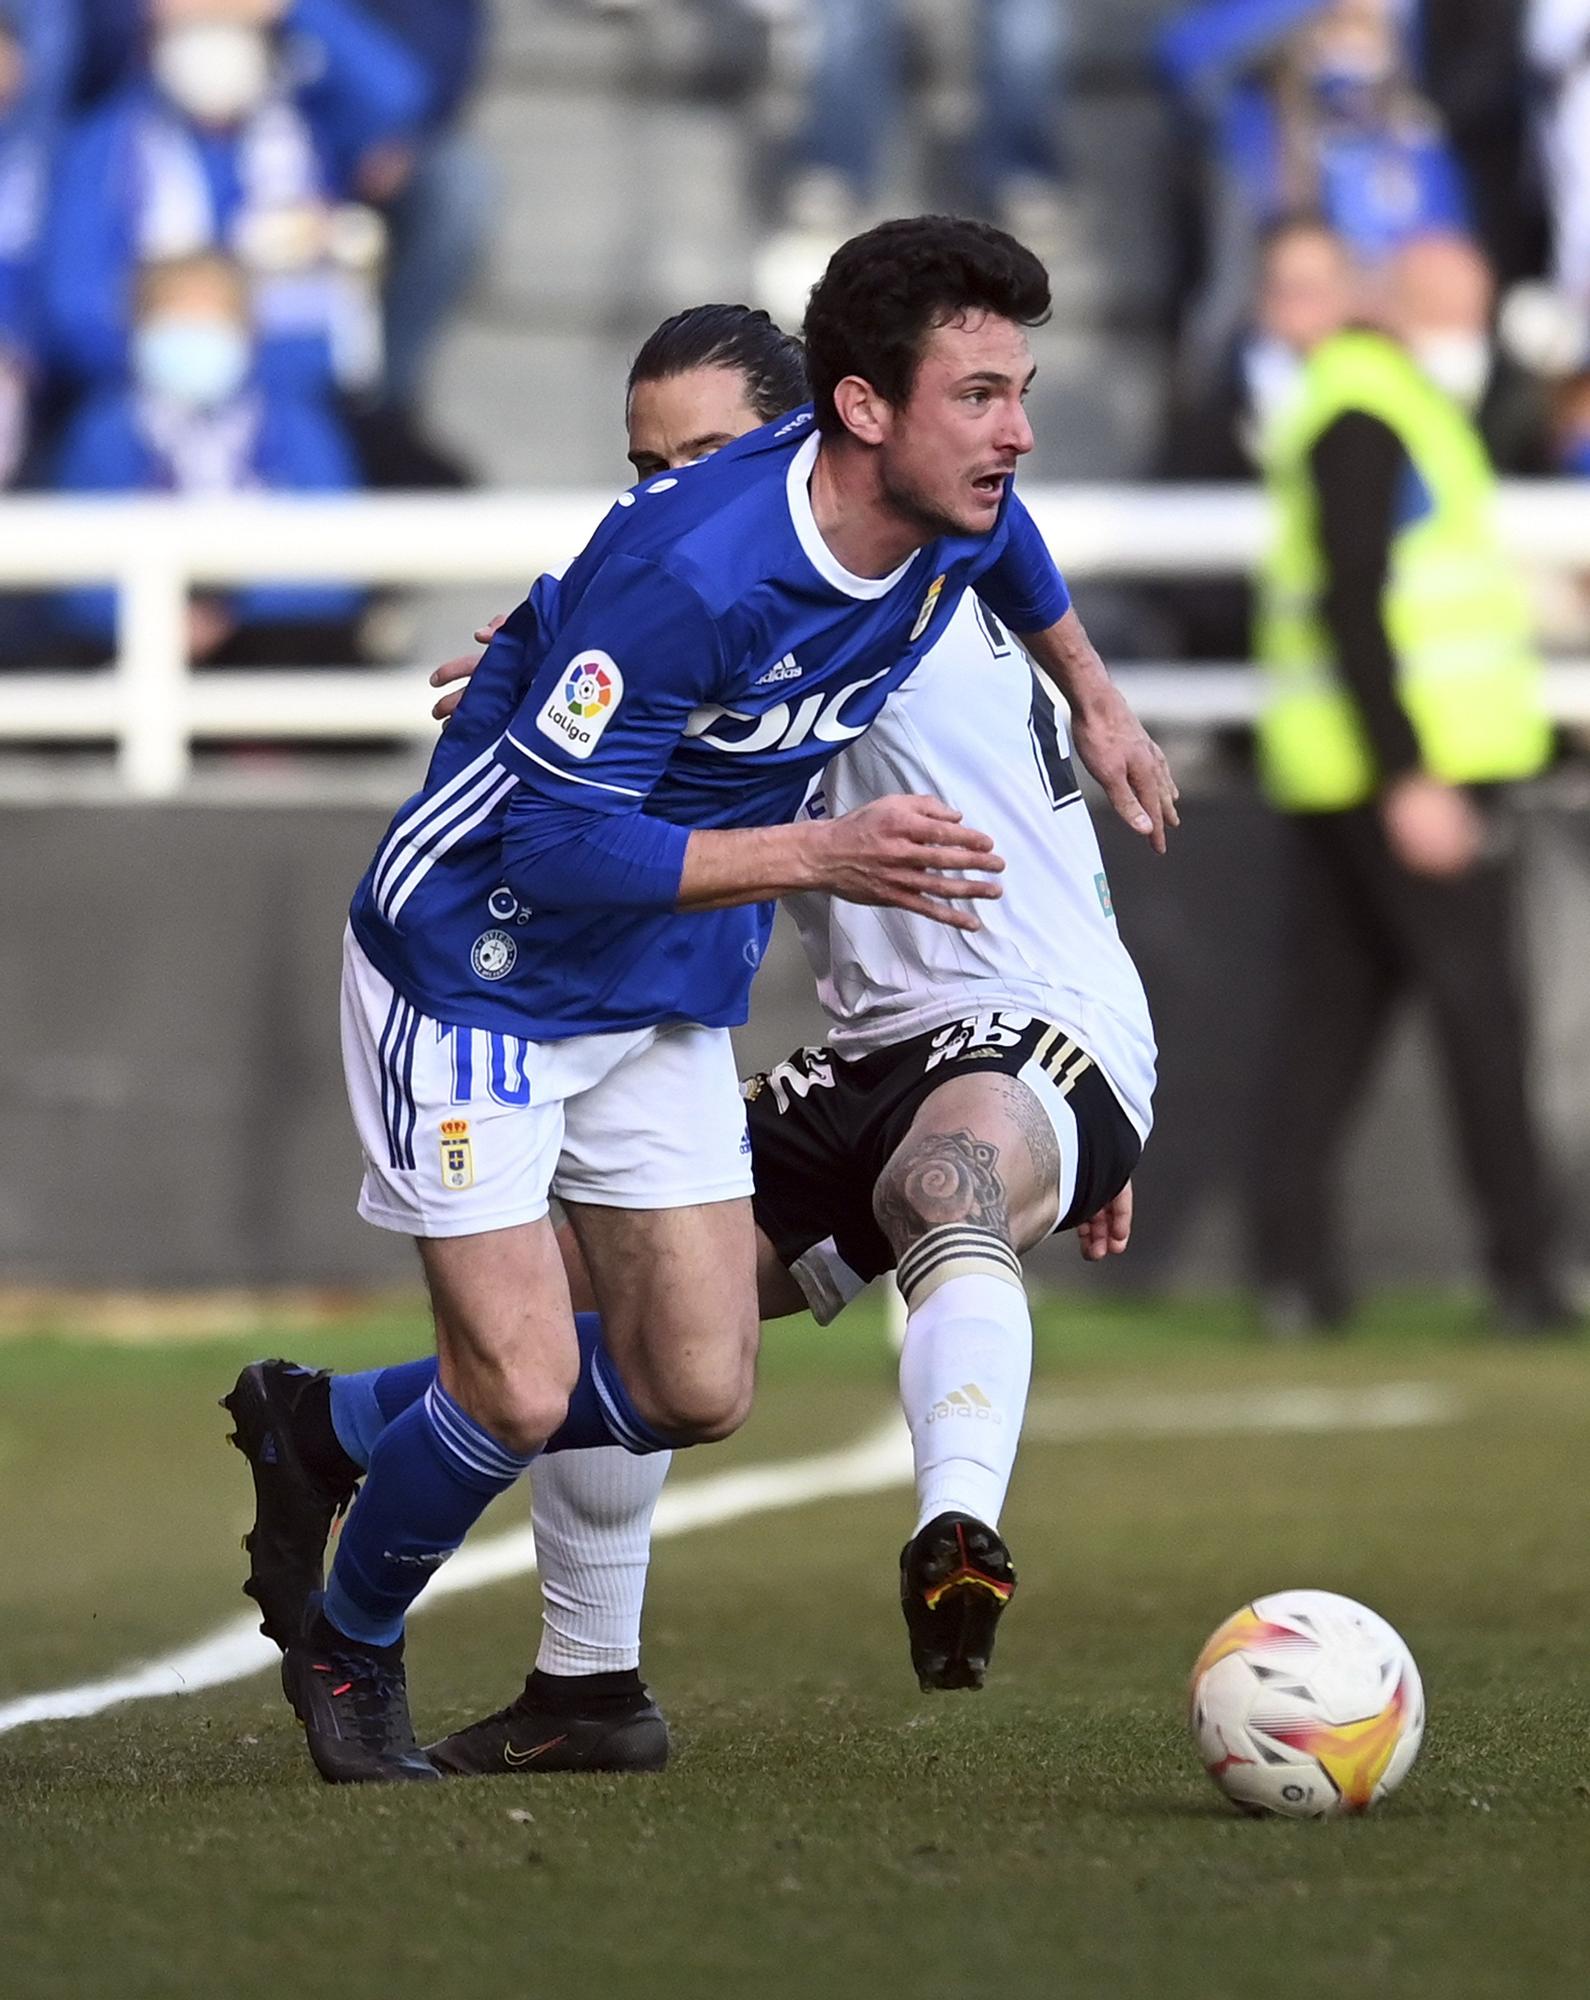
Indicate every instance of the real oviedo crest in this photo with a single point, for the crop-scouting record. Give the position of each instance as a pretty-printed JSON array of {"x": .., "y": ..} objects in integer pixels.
[{"x": 458, "y": 1158}]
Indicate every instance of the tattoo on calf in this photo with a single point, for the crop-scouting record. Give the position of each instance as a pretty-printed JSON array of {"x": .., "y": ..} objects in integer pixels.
[{"x": 938, "y": 1178}]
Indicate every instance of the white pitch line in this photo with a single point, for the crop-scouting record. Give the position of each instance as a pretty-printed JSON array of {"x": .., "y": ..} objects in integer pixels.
[
  {"x": 882, "y": 1459},
  {"x": 237, "y": 1649}
]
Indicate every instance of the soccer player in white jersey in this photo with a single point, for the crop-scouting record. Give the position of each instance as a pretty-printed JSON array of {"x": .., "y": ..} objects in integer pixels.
[{"x": 979, "y": 1091}]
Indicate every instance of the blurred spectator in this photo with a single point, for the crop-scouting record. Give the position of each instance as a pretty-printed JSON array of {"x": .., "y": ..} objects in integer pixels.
[
  {"x": 48, "y": 36},
  {"x": 229, "y": 139},
  {"x": 37, "y": 49},
  {"x": 437, "y": 194},
  {"x": 112, "y": 34},
  {"x": 1470, "y": 60},
  {"x": 1403, "y": 694},
  {"x": 1571, "y": 428},
  {"x": 1307, "y": 106},
  {"x": 1562, "y": 597},
  {"x": 1013, "y": 170},
  {"x": 198, "y": 419},
  {"x": 1448, "y": 291},
  {"x": 1354, "y": 138},
  {"x": 22, "y": 168},
  {"x": 1306, "y": 291},
  {"x": 1559, "y": 49}
]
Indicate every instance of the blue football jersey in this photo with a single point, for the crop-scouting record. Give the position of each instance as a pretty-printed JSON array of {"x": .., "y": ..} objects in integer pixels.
[{"x": 699, "y": 663}]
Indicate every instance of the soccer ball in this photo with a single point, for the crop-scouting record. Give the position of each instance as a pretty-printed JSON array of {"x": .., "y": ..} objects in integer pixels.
[{"x": 1307, "y": 1704}]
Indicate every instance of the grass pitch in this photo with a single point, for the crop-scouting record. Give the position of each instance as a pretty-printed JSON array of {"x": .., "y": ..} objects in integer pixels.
[{"x": 824, "y": 1828}]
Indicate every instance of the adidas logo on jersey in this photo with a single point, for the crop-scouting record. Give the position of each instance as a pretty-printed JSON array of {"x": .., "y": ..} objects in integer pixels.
[
  {"x": 786, "y": 670},
  {"x": 966, "y": 1401}
]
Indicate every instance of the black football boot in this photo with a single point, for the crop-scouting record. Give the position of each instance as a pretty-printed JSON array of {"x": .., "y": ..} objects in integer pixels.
[
  {"x": 593, "y": 1722},
  {"x": 956, "y": 1578},
  {"x": 303, "y": 1481}
]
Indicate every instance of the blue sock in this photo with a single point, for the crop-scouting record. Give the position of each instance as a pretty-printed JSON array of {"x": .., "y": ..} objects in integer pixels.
[
  {"x": 363, "y": 1405},
  {"x": 600, "y": 1411},
  {"x": 433, "y": 1473}
]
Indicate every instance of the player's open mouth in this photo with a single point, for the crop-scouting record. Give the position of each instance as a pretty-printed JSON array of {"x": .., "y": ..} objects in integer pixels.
[{"x": 991, "y": 485}]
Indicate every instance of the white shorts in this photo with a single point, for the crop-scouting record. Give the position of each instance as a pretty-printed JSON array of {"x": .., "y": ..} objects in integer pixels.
[{"x": 467, "y": 1129}]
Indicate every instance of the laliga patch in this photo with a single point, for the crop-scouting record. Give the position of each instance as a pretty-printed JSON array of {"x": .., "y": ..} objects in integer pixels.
[
  {"x": 930, "y": 604},
  {"x": 458, "y": 1157},
  {"x": 1106, "y": 900},
  {"x": 583, "y": 703}
]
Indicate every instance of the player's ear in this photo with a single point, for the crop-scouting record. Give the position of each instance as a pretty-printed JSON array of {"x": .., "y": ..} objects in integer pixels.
[{"x": 862, "y": 411}]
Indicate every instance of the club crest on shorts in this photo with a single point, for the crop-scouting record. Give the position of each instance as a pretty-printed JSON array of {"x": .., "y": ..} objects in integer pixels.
[
  {"x": 493, "y": 954},
  {"x": 930, "y": 604},
  {"x": 458, "y": 1156},
  {"x": 583, "y": 703}
]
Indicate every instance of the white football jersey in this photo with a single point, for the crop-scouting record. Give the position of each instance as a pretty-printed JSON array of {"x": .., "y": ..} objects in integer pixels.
[{"x": 976, "y": 727}]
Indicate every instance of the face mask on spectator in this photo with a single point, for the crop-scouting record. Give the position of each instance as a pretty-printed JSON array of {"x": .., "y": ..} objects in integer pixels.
[
  {"x": 216, "y": 71},
  {"x": 1271, "y": 372},
  {"x": 1459, "y": 363},
  {"x": 1350, "y": 86},
  {"x": 200, "y": 363}
]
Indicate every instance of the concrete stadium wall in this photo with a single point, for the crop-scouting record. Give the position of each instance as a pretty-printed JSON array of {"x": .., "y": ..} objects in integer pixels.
[{"x": 171, "y": 1095}]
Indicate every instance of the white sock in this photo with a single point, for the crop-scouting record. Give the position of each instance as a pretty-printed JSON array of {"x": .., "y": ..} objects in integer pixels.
[
  {"x": 591, "y": 1514},
  {"x": 964, "y": 1371}
]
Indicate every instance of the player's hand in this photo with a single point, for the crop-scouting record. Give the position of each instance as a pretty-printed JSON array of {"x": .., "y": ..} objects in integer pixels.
[
  {"x": 1432, "y": 829},
  {"x": 1107, "y": 1233},
  {"x": 461, "y": 669},
  {"x": 1127, "y": 762},
  {"x": 899, "y": 853}
]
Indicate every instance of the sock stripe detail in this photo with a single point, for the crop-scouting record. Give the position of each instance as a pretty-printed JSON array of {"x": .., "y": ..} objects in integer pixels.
[
  {"x": 954, "y": 1251},
  {"x": 474, "y": 1451},
  {"x": 627, "y": 1428}
]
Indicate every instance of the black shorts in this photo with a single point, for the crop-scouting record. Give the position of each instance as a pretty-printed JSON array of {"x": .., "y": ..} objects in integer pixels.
[{"x": 823, "y": 1128}]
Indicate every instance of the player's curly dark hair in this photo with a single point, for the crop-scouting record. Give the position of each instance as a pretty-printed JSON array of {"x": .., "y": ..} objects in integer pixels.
[
  {"x": 772, "y": 361},
  {"x": 885, "y": 290}
]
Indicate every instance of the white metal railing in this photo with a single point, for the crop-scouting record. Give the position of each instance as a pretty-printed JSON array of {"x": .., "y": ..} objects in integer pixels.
[{"x": 154, "y": 551}]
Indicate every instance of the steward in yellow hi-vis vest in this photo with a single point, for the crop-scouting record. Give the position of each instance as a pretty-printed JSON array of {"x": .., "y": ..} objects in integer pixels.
[{"x": 1453, "y": 607}]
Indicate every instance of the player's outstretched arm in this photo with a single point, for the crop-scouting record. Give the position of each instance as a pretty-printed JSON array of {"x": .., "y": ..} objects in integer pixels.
[
  {"x": 899, "y": 852},
  {"x": 1109, "y": 739}
]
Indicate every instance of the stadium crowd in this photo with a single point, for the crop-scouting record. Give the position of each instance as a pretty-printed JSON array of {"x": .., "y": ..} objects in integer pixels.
[
  {"x": 230, "y": 234},
  {"x": 1325, "y": 154},
  {"x": 232, "y": 230},
  {"x": 1343, "y": 133}
]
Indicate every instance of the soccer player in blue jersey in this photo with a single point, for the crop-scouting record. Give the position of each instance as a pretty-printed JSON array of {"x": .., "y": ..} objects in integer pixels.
[{"x": 550, "y": 943}]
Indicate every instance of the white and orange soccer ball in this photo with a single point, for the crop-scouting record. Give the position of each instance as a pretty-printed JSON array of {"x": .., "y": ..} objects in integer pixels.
[{"x": 1307, "y": 1704}]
